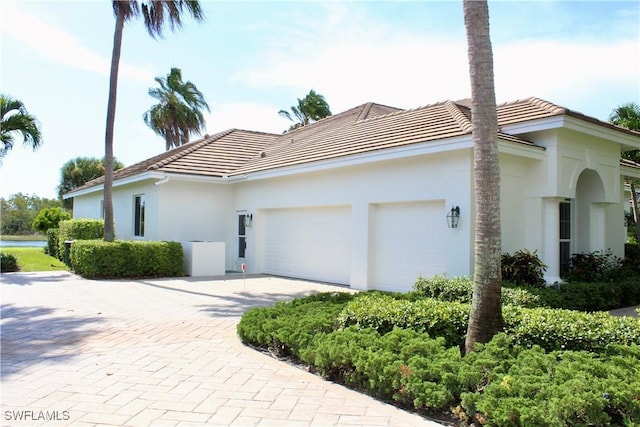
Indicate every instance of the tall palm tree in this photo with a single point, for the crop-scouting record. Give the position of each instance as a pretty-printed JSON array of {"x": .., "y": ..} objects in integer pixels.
[
  {"x": 178, "y": 113},
  {"x": 156, "y": 14},
  {"x": 628, "y": 115},
  {"x": 485, "y": 319},
  {"x": 311, "y": 108},
  {"x": 14, "y": 118}
]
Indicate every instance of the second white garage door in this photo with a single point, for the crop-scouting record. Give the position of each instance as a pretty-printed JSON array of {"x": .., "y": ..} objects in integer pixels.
[
  {"x": 408, "y": 240},
  {"x": 309, "y": 243}
]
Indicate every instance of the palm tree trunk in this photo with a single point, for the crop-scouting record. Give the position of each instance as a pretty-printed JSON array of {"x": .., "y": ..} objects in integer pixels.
[
  {"x": 485, "y": 319},
  {"x": 109, "y": 232}
]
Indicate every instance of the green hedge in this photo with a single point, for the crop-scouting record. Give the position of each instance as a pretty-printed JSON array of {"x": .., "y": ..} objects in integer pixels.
[
  {"x": 460, "y": 289},
  {"x": 552, "y": 329},
  {"x": 53, "y": 237},
  {"x": 596, "y": 296},
  {"x": 130, "y": 259},
  {"x": 78, "y": 229}
]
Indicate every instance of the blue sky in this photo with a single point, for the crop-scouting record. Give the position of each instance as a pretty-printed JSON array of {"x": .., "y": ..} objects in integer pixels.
[{"x": 253, "y": 58}]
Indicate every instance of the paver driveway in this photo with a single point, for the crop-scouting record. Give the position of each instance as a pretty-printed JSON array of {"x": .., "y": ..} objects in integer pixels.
[{"x": 159, "y": 352}]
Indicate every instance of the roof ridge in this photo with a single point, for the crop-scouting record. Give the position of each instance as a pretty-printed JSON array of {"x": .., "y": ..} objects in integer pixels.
[
  {"x": 458, "y": 115},
  {"x": 546, "y": 105},
  {"x": 207, "y": 139}
]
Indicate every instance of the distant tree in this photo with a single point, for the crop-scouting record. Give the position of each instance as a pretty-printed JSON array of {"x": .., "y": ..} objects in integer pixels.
[
  {"x": 18, "y": 212},
  {"x": 485, "y": 318},
  {"x": 77, "y": 172},
  {"x": 49, "y": 218},
  {"x": 178, "y": 113},
  {"x": 311, "y": 108},
  {"x": 156, "y": 13},
  {"x": 14, "y": 119},
  {"x": 628, "y": 116}
]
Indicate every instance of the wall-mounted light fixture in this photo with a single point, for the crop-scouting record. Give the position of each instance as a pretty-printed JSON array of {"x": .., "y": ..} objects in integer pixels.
[
  {"x": 453, "y": 217},
  {"x": 248, "y": 219}
]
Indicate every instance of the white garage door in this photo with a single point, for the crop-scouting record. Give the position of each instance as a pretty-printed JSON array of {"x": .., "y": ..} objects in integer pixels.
[
  {"x": 309, "y": 243},
  {"x": 408, "y": 241}
]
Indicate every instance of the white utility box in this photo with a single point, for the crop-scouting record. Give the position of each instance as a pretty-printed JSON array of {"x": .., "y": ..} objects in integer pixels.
[{"x": 204, "y": 258}]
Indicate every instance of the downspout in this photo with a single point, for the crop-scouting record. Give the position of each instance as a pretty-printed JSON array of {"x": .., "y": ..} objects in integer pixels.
[{"x": 163, "y": 180}]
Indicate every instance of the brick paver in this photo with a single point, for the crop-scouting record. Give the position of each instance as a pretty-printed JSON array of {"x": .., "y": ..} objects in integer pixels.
[{"x": 159, "y": 352}]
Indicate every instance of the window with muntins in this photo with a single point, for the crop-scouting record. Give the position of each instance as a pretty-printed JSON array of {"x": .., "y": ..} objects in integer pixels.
[
  {"x": 138, "y": 215},
  {"x": 565, "y": 236}
]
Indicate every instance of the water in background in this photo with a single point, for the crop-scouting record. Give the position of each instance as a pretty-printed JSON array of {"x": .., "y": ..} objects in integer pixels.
[{"x": 23, "y": 243}]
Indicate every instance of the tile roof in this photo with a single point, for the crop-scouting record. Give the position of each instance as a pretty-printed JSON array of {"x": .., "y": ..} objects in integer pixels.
[{"x": 365, "y": 128}]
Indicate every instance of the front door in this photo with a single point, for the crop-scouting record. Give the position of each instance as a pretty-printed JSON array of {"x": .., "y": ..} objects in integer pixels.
[{"x": 242, "y": 238}]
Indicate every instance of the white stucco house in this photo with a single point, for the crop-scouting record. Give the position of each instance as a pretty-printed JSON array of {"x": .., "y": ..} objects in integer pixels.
[{"x": 361, "y": 198}]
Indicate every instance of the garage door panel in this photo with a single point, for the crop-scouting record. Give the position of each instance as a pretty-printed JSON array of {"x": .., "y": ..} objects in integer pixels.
[
  {"x": 408, "y": 241},
  {"x": 310, "y": 243}
]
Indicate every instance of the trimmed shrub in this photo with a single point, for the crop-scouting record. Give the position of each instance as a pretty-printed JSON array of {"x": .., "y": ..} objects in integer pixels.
[
  {"x": 556, "y": 329},
  {"x": 79, "y": 229},
  {"x": 580, "y": 296},
  {"x": 287, "y": 327},
  {"x": 523, "y": 268},
  {"x": 52, "y": 242},
  {"x": 8, "y": 263},
  {"x": 383, "y": 312},
  {"x": 460, "y": 289},
  {"x": 130, "y": 259},
  {"x": 404, "y": 365},
  {"x": 552, "y": 329},
  {"x": 528, "y": 387}
]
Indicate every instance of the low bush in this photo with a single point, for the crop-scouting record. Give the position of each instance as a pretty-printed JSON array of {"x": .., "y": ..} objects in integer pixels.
[
  {"x": 507, "y": 382},
  {"x": 404, "y": 365},
  {"x": 460, "y": 289},
  {"x": 523, "y": 268},
  {"x": 383, "y": 312},
  {"x": 552, "y": 329},
  {"x": 595, "y": 266},
  {"x": 52, "y": 247},
  {"x": 8, "y": 263},
  {"x": 515, "y": 386},
  {"x": 590, "y": 296},
  {"x": 130, "y": 259},
  {"x": 288, "y": 326}
]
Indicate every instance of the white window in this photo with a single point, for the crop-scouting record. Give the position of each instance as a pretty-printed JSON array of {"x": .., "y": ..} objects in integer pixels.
[{"x": 138, "y": 215}]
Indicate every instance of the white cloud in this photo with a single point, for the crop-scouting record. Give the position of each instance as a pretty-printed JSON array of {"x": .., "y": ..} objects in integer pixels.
[
  {"x": 59, "y": 46},
  {"x": 564, "y": 68},
  {"x": 248, "y": 116}
]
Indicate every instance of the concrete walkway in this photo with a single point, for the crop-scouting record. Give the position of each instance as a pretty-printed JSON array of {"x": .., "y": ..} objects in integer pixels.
[{"x": 159, "y": 352}]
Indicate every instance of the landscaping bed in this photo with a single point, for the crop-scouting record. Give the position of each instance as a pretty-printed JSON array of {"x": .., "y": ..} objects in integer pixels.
[{"x": 550, "y": 367}]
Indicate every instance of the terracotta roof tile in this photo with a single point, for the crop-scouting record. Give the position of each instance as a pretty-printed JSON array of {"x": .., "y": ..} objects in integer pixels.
[{"x": 365, "y": 128}]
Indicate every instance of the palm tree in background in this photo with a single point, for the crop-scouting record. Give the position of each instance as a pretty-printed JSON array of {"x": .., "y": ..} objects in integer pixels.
[
  {"x": 77, "y": 172},
  {"x": 628, "y": 116},
  {"x": 178, "y": 113},
  {"x": 156, "y": 14},
  {"x": 485, "y": 318},
  {"x": 311, "y": 108},
  {"x": 14, "y": 119}
]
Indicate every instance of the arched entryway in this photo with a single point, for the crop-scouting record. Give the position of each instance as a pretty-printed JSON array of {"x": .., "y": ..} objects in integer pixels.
[{"x": 589, "y": 213}]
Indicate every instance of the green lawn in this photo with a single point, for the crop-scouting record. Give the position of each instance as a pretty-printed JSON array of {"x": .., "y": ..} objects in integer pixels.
[{"x": 34, "y": 259}]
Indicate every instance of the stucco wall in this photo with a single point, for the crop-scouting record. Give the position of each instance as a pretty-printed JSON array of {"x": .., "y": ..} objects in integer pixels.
[{"x": 442, "y": 177}]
